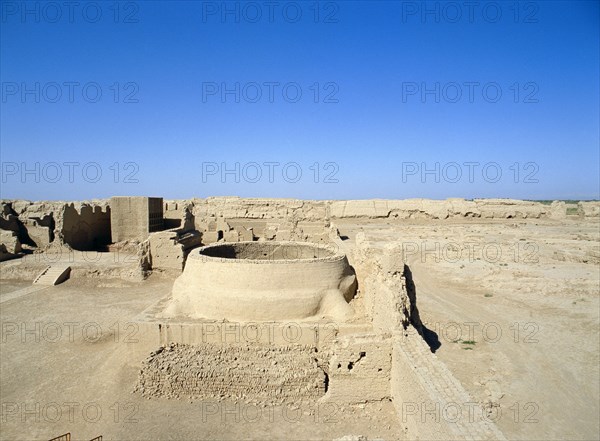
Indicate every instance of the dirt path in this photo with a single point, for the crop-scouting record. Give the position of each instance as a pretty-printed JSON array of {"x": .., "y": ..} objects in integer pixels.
[{"x": 543, "y": 376}]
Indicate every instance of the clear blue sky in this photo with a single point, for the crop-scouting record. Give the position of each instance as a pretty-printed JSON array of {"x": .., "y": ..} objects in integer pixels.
[{"x": 369, "y": 66}]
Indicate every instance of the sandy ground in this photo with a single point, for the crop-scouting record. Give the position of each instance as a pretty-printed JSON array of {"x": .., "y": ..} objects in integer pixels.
[
  {"x": 64, "y": 367},
  {"x": 529, "y": 318}
]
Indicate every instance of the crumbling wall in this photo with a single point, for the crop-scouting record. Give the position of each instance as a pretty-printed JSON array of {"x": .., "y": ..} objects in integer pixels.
[
  {"x": 83, "y": 225},
  {"x": 511, "y": 208},
  {"x": 215, "y": 228},
  {"x": 236, "y": 208},
  {"x": 169, "y": 249},
  {"x": 588, "y": 208},
  {"x": 10, "y": 246},
  {"x": 360, "y": 368},
  {"x": 430, "y": 402},
  {"x": 558, "y": 210},
  {"x": 386, "y": 292},
  {"x": 178, "y": 214},
  {"x": 295, "y": 210},
  {"x": 80, "y": 225},
  {"x": 266, "y": 374},
  {"x": 86, "y": 227},
  {"x": 9, "y": 219},
  {"x": 440, "y": 209},
  {"x": 36, "y": 222}
]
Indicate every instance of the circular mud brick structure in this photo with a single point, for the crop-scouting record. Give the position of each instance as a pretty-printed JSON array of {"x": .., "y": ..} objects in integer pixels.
[{"x": 249, "y": 281}]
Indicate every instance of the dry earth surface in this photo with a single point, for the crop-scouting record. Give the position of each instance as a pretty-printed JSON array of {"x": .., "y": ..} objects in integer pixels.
[
  {"x": 521, "y": 297},
  {"x": 64, "y": 366},
  {"x": 77, "y": 378}
]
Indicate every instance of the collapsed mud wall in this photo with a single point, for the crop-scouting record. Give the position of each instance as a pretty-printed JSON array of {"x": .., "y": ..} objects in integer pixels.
[
  {"x": 265, "y": 374},
  {"x": 588, "y": 209},
  {"x": 169, "y": 249},
  {"x": 10, "y": 246},
  {"x": 360, "y": 369},
  {"x": 86, "y": 227},
  {"x": 298, "y": 210},
  {"x": 443, "y": 209},
  {"x": 387, "y": 295},
  {"x": 178, "y": 214},
  {"x": 419, "y": 384},
  {"x": 258, "y": 208},
  {"x": 80, "y": 225},
  {"x": 33, "y": 224},
  {"x": 193, "y": 222}
]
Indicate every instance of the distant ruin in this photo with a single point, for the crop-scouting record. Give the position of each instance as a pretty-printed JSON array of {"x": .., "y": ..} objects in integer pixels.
[{"x": 172, "y": 228}]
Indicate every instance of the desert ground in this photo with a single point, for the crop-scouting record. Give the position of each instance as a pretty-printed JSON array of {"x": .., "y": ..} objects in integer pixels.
[
  {"x": 531, "y": 308},
  {"x": 510, "y": 306}
]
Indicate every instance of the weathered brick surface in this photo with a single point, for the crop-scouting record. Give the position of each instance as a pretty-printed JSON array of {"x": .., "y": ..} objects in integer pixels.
[
  {"x": 270, "y": 374},
  {"x": 431, "y": 402}
]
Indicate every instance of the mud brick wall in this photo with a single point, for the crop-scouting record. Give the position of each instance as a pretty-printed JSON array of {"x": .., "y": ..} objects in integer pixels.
[
  {"x": 266, "y": 374},
  {"x": 359, "y": 369}
]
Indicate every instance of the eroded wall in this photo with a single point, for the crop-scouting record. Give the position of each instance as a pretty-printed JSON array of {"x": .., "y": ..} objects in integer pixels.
[
  {"x": 298, "y": 210},
  {"x": 83, "y": 225},
  {"x": 79, "y": 225},
  {"x": 130, "y": 218},
  {"x": 264, "y": 374},
  {"x": 86, "y": 228}
]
